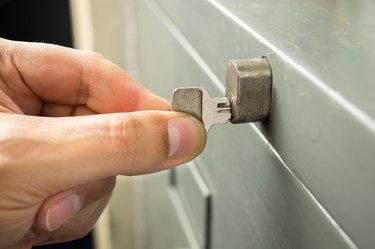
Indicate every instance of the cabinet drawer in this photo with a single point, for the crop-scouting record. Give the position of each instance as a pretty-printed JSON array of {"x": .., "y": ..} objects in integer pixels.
[
  {"x": 322, "y": 122},
  {"x": 304, "y": 179},
  {"x": 196, "y": 199}
]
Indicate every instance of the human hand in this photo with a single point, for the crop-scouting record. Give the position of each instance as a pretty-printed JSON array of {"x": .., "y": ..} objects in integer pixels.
[{"x": 70, "y": 122}]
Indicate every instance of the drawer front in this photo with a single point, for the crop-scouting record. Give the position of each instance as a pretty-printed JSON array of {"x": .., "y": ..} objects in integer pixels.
[
  {"x": 304, "y": 179},
  {"x": 166, "y": 219},
  {"x": 195, "y": 197}
]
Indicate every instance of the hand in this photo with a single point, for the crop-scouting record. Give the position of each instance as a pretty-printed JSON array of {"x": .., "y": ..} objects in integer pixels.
[{"x": 70, "y": 122}]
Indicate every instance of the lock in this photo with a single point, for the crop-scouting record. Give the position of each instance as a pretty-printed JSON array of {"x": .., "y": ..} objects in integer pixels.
[
  {"x": 248, "y": 95},
  {"x": 248, "y": 87}
]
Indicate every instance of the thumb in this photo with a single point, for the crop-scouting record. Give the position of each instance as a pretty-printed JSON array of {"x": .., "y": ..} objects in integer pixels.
[{"x": 59, "y": 153}]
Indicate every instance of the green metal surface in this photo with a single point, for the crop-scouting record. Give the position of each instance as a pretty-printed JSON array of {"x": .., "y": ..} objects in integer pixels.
[
  {"x": 196, "y": 198},
  {"x": 305, "y": 178},
  {"x": 164, "y": 228}
]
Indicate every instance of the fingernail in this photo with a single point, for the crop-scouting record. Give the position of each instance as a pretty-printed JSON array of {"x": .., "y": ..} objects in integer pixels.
[
  {"x": 33, "y": 239},
  {"x": 187, "y": 137},
  {"x": 62, "y": 211}
]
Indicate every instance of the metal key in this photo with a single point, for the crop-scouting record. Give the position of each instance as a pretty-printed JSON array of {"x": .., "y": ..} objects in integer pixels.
[
  {"x": 248, "y": 91},
  {"x": 197, "y": 102}
]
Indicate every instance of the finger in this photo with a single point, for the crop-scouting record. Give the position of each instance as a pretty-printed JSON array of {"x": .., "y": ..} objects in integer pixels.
[
  {"x": 67, "y": 76},
  {"x": 76, "y": 227},
  {"x": 54, "y": 154},
  {"x": 21, "y": 247},
  {"x": 61, "y": 110},
  {"x": 59, "y": 208}
]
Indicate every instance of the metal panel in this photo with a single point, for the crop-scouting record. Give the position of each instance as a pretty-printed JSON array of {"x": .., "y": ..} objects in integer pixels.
[
  {"x": 322, "y": 123},
  {"x": 167, "y": 223},
  {"x": 195, "y": 197},
  {"x": 257, "y": 201},
  {"x": 165, "y": 228}
]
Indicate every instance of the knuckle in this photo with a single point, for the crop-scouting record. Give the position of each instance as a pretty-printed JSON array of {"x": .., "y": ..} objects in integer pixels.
[
  {"x": 129, "y": 134},
  {"x": 92, "y": 55},
  {"x": 141, "y": 142},
  {"x": 91, "y": 62},
  {"x": 91, "y": 65},
  {"x": 6, "y": 57},
  {"x": 9, "y": 156}
]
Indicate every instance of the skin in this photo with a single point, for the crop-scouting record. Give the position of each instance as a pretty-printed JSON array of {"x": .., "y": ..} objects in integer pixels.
[{"x": 70, "y": 122}]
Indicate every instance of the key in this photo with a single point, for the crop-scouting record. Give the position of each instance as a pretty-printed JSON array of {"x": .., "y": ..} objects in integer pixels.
[
  {"x": 248, "y": 91},
  {"x": 197, "y": 102}
]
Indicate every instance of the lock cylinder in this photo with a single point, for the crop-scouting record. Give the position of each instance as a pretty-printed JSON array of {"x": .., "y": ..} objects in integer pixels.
[{"x": 249, "y": 89}]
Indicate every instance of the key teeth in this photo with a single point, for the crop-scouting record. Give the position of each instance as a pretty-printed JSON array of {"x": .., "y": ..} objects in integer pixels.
[
  {"x": 208, "y": 126},
  {"x": 224, "y": 110}
]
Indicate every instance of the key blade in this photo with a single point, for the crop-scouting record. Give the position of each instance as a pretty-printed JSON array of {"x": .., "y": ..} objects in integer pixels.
[
  {"x": 197, "y": 102},
  {"x": 214, "y": 110}
]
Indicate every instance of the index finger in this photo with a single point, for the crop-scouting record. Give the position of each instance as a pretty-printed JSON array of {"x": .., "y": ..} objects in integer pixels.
[{"x": 72, "y": 77}]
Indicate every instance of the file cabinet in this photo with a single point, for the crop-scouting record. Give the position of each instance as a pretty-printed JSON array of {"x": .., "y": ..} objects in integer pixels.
[{"x": 302, "y": 179}]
